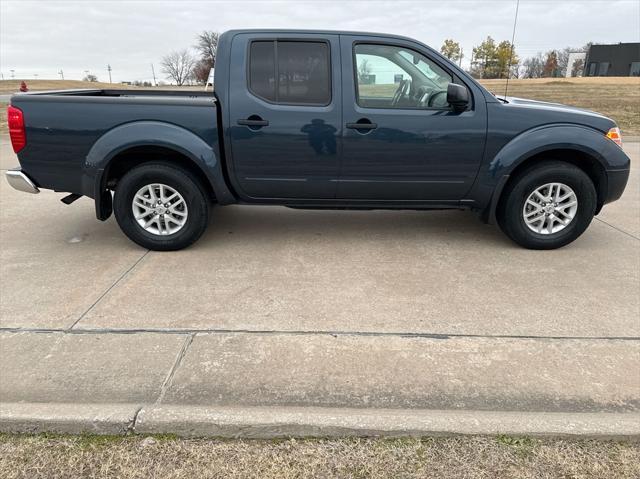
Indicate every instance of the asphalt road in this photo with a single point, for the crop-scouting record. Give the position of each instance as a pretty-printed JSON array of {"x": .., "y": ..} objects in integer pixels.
[{"x": 288, "y": 308}]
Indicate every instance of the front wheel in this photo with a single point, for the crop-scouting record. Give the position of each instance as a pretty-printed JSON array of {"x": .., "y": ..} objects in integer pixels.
[
  {"x": 161, "y": 207},
  {"x": 547, "y": 206}
]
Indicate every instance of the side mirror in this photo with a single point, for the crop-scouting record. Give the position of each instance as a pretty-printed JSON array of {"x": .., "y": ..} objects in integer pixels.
[{"x": 457, "y": 96}]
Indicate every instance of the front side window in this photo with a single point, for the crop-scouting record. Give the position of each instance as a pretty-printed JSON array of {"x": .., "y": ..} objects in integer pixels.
[
  {"x": 395, "y": 77},
  {"x": 290, "y": 72}
]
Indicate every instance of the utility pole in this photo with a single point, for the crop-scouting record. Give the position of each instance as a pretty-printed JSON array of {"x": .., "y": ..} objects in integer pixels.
[
  {"x": 13, "y": 74},
  {"x": 153, "y": 72},
  {"x": 61, "y": 73},
  {"x": 109, "y": 70}
]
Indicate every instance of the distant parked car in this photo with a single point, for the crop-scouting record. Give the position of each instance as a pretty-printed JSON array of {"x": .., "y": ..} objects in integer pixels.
[{"x": 312, "y": 119}]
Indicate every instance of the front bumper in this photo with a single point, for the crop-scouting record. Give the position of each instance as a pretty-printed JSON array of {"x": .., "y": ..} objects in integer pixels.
[
  {"x": 616, "y": 183},
  {"x": 20, "y": 181}
]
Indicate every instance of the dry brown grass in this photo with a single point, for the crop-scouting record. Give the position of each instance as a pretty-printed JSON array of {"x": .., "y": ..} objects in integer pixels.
[
  {"x": 8, "y": 87},
  {"x": 37, "y": 457}
]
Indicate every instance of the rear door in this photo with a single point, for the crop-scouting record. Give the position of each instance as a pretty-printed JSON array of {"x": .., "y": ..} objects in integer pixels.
[
  {"x": 285, "y": 117},
  {"x": 402, "y": 141}
]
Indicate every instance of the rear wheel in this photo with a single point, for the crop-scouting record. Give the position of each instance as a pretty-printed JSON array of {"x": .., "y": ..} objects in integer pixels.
[
  {"x": 547, "y": 206},
  {"x": 161, "y": 207}
]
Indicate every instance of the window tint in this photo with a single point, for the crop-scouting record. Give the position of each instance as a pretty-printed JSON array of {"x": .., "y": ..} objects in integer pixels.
[
  {"x": 262, "y": 70},
  {"x": 302, "y": 75},
  {"x": 396, "y": 77}
]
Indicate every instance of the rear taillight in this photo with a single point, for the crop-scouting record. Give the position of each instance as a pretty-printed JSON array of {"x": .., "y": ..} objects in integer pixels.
[
  {"x": 614, "y": 135},
  {"x": 16, "y": 128}
]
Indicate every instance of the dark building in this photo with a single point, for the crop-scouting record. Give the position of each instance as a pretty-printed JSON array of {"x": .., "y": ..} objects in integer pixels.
[{"x": 620, "y": 60}]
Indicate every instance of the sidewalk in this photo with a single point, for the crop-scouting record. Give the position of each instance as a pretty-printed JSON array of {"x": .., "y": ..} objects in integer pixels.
[{"x": 284, "y": 322}]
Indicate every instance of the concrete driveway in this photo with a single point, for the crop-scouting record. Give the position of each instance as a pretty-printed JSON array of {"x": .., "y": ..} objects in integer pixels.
[{"x": 280, "y": 308}]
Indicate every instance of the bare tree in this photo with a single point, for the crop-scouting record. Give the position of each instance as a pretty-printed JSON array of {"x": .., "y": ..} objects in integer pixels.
[
  {"x": 201, "y": 71},
  {"x": 533, "y": 67},
  {"x": 207, "y": 46},
  {"x": 178, "y": 66},
  {"x": 577, "y": 69}
]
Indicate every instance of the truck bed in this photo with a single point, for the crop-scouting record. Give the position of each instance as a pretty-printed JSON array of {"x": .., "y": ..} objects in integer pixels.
[{"x": 62, "y": 127}]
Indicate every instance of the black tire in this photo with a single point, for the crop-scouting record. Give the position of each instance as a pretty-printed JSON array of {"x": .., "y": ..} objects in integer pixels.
[
  {"x": 510, "y": 209},
  {"x": 182, "y": 181}
]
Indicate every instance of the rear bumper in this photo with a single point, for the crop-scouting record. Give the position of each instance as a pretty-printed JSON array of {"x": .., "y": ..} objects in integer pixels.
[{"x": 20, "y": 181}]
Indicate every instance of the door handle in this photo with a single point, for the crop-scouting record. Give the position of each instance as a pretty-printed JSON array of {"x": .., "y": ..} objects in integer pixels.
[
  {"x": 362, "y": 126},
  {"x": 253, "y": 122}
]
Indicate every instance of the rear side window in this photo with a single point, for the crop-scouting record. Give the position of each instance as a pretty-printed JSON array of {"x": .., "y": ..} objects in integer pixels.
[
  {"x": 262, "y": 70},
  {"x": 290, "y": 72}
]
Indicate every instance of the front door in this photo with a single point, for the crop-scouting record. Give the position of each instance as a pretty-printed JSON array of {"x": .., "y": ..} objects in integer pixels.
[
  {"x": 402, "y": 141},
  {"x": 285, "y": 117}
]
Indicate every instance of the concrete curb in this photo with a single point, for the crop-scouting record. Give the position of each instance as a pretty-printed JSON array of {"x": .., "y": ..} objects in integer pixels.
[
  {"x": 67, "y": 418},
  {"x": 273, "y": 422}
]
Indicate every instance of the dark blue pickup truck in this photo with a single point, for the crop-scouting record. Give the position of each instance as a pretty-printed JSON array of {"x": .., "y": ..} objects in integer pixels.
[{"x": 315, "y": 119}]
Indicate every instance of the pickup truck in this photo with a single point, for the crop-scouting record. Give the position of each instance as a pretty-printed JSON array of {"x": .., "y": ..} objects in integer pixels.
[{"x": 320, "y": 119}]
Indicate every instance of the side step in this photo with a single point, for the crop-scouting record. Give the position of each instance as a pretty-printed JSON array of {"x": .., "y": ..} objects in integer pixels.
[{"x": 67, "y": 200}]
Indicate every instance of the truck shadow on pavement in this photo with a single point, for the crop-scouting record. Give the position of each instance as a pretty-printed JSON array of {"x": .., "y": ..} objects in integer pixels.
[{"x": 260, "y": 224}]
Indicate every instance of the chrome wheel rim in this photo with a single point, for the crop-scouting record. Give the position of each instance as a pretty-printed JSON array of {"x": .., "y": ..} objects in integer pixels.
[
  {"x": 550, "y": 208},
  {"x": 159, "y": 209}
]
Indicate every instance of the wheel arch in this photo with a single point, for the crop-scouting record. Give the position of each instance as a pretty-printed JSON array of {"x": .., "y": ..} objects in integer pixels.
[
  {"x": 132, "y": 144},
  {"x": 576, "y": 145}
]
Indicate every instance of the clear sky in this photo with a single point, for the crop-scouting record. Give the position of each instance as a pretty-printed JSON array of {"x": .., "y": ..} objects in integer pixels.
[{"x": 41, "y": 37}]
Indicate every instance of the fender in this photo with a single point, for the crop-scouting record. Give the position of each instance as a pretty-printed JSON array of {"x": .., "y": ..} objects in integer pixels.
[
  {"x": 494, "y": 174},
  {"x": 148, "y": 133}
]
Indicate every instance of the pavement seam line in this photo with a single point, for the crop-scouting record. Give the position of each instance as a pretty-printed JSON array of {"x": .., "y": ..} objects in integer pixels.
[
  {"x": 618, "y": 229},
  {"x": 108, "y": 290},
  {"x": 176, "y": 364},
  {"x": 439, "y": 336},
  {"x": 404, "y": 335}
]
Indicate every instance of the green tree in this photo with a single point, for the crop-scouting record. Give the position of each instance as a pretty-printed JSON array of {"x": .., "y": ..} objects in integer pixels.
[
  {"x": 506, "y": 61},
  {"x": 483, "y": 57},
  {"x": 451, "y": 49}
]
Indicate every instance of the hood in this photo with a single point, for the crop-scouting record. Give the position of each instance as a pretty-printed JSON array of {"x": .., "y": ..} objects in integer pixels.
[{"x": 557, "y": 112}]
